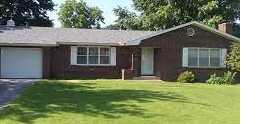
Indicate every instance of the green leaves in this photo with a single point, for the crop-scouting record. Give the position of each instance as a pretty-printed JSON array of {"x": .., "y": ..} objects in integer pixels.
[
  {"x": 227, "y": 78},
  {"x": 233, "y": 58},
  {"x": 79, "y": 15},
  {"x": 213, "y": 21},
  {"x": 126, "y": 19},
  {"x": 163, "y": 14},
  {"x": 186, "y": 77},
  {"x": 32, "y": 11}
]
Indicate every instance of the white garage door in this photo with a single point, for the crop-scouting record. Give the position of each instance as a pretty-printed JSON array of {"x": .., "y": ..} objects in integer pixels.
[{"x": 21, "y": 63}]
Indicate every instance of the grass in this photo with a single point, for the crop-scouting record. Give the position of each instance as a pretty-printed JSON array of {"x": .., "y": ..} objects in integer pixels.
[{"x": 124, "y": 102}]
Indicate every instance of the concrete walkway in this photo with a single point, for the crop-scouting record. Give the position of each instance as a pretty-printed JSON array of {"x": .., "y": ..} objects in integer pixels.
[{"x": 10, "y": 88}]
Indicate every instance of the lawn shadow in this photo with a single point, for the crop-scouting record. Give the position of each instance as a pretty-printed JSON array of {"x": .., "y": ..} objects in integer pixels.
[{"x": 46, "y": 98}]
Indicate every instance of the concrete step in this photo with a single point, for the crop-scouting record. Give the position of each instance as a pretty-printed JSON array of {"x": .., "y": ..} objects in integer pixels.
[{"x": 146, "y": 78}]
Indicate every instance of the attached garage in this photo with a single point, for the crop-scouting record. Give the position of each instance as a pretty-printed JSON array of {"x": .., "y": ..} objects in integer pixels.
[{"x": 21, "y": 62}]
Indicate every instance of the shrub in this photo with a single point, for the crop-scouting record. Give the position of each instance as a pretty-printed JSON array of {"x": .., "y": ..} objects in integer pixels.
[
  {"x": 227, "y": 78},
  {"x": 215, "y": 80},
  {"x": 186, "y": 77},
  {"x": 233, "y": 58}
]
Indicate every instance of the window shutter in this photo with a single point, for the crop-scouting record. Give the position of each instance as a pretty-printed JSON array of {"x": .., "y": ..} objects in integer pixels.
[
  {"x": 222, "y": 57},
  {"x": 113, "y": 56},
  {"x": 73, "y": 56},
  {"x": 185, "y": 57}
]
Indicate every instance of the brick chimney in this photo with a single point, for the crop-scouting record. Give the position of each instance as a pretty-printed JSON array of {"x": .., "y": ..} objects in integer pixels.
[{"x": 226, "y": 27}]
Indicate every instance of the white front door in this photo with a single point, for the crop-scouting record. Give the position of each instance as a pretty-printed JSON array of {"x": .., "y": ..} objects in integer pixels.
[
  {"x": 147, "y": 61},
  {"x": 21, "y": 62}
]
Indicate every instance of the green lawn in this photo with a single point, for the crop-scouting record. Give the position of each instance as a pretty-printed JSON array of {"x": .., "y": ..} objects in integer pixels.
[{"x": 124, "y": 102}]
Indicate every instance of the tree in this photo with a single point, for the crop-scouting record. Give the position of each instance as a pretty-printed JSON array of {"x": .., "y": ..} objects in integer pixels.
[
  {"x": 112, "y": 27},
  {"x": 126, "y": 19},
  {"x": 79, "y": 15},
  {"x": 233, "y": 58},
  {"x": 33, "y": 12},
  {"x": 236, "y": 29},
  {"x": 163, "y": 14}
]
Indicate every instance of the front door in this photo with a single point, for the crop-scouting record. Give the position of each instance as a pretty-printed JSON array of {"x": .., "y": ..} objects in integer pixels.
[{"x": 147, "y": 61}]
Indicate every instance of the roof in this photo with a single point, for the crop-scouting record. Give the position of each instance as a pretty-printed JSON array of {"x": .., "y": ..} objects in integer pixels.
[
  {"x": 205, "y": 27},
  {"x": 46, "y": 36}
]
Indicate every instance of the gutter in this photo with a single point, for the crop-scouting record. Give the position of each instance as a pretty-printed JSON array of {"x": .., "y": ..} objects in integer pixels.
[
  {"x": 89, "y": 44},
  {"x": 61, "y": 43},
  {"x": 28, "y": 44}
]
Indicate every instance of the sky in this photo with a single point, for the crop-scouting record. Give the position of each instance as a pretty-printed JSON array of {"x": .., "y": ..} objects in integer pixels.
[{"x": 105, "y": 5}]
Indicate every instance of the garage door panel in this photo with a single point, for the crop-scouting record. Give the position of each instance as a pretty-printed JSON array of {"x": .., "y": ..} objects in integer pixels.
[{"x": 21, "y": 63}]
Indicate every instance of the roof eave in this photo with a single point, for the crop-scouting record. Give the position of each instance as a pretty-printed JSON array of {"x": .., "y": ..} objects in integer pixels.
[
  {"x": 28, "y": 44},
  {"x": 89, "y": 44}
]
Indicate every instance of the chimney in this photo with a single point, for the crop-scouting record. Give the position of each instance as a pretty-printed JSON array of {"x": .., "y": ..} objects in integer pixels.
[{"x": 226, "y": 27}]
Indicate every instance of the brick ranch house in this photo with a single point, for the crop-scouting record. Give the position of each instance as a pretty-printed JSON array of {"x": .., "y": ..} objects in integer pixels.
[{"x": 37, "y": 52}]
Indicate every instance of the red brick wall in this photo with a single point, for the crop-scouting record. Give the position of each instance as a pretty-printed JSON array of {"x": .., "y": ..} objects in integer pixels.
[
  {"x": 46, "y": 62},
  {"x": 171, "y": 45},
  {"x": 61, "y": 68}
]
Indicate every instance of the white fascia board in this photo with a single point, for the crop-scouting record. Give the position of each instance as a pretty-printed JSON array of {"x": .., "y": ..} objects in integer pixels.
[
  {"x": 89, "y": 44},
  {"x": 27, "y": 44}
]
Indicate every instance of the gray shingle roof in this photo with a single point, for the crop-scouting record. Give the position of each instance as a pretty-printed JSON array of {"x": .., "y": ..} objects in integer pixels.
[{"x": 41, "y": 36}]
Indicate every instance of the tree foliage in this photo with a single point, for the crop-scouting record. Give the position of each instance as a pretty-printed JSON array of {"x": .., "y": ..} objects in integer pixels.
[
  {"x": 163, "y": 14},
  {"x": 236, "y": 29},
  {"x": 79, "y": 15},
  {"x": 112, "y": 27},
  {"x": 33, "y": 12},
  {"x": 233, "y": 58},
  {"x": 126, "y": 19}
]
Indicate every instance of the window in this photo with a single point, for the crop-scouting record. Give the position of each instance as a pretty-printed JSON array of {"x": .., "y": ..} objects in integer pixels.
[
  {"x": 81, "y": 55},
  {"x": 192, "y": 58},
  {"x": 215, "y": 57},
  {"x": 104, "y": 55},
  {"x": 204, "y": 57},
  {"x": 93, "y": 55}
]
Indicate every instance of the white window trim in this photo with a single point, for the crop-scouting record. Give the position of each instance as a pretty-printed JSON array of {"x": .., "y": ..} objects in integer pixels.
[
  {"x": 99, "y": 55},
  {"x": 82, "y": 55},
  {"x": 198, "y": 66},
  {"x": 110, "y": 56}
]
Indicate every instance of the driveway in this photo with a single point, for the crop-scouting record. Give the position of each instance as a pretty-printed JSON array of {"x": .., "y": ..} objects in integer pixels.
[{"x": 10, "y": 88}]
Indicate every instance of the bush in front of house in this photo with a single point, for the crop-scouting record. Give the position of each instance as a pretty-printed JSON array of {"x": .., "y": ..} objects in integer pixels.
[
  {"x": 227, "y": 78},
  {"x": 215, "y": 80},
  {"x": 233, "y": 58},
  {"x": 186, "y": 77}
]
